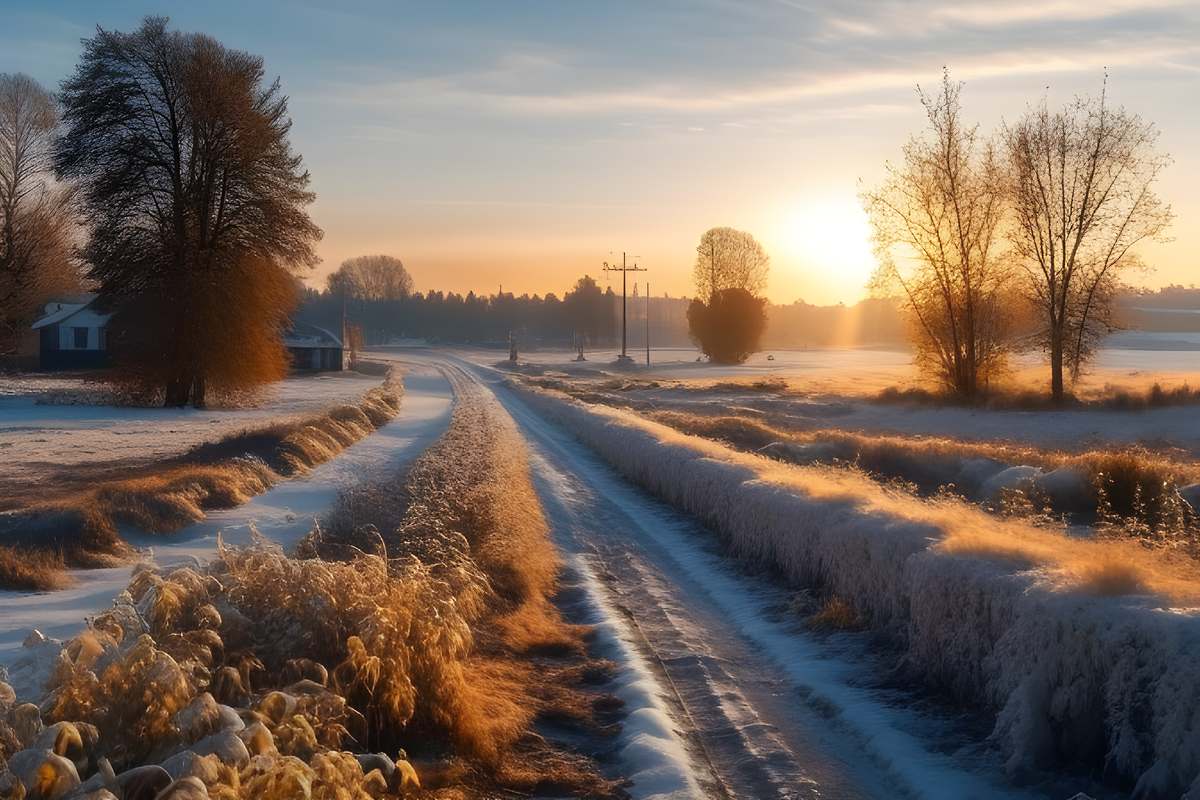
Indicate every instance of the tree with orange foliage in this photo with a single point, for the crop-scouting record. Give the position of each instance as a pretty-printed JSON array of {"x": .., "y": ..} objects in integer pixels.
[
  {"x": 197, "y": 206},
  {"x": 937, "y": 223}
]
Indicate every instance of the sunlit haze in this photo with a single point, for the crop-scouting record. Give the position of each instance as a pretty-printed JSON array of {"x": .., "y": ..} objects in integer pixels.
[{"x": 519, "y": 144}]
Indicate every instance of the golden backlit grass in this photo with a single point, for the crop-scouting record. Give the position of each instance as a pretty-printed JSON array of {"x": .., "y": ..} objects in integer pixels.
[
  {"x": 1133, "y": 482},
  {"x": 424, "y": 629},
  {"x": 37, "y": 542},
  {"x": 32, "y": 570}
]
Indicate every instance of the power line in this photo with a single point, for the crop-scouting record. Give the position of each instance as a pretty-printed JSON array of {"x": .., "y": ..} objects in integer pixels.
[{"x": 624, "y": 269}]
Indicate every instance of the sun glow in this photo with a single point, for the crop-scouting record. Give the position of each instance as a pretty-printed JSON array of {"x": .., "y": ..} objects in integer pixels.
[{"x": 827, "y": 250}]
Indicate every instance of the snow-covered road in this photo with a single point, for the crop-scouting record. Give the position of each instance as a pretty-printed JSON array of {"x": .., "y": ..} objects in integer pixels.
[
  {"x": 765, "y": 707},
  {"x": 728, "y": 695}
]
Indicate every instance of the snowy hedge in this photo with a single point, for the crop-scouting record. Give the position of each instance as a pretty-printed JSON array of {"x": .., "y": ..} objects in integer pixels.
[{"x": 1071, "y": 642}]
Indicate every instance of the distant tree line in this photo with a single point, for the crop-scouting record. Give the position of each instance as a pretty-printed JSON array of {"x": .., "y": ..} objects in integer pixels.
[
  {"x": 451, "y": 317},
  {"x": 551, "y": 321}
]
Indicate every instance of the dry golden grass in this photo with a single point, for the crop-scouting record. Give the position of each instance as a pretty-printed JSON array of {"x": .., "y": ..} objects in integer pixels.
[
  {"x": 1088, "y": 394},
  {"x": 425, "y": 599},
  {"x": 166, "y": 502},
  {"x": 955, "y": 526},
  {"x": 838, "y": 613},
  {"x": 36, "y": 570},
  {"x": 37, "y": 544}
]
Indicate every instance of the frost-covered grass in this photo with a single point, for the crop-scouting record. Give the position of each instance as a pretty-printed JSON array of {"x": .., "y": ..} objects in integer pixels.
[
  {"x": 1079, "y": 646},
  {"x": 433, "y": 632},
  {"x": 1131, "y": 489},
  {"x": 37, "y": 541}
]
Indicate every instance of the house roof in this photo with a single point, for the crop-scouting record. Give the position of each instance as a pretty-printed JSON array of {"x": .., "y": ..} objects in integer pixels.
[
  {"x": 303, "y": 334},
  {"x": 62, "y": 308}
]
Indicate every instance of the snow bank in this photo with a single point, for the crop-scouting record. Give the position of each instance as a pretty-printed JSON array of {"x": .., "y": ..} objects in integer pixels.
[
  {"x": 995, "y": 611},
  {"x": 655, "y": 755}
]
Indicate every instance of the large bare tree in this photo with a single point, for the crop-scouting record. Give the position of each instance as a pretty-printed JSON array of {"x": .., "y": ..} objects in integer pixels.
[
  {"x": 936, "y": 224},
  {"x": 37, "y": 223},
  {"x": 197, "y": 203},
  {"x": 371, "y": 278},
  {"x": 727, "y": 258},
  {"x": 1079, "y": 184}
]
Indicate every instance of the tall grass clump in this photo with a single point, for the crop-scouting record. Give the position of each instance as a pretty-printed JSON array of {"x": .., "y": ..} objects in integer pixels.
[
  {"x": 1070, "y": 642},
  {"x": 80, "y": 532},
  {"x": 37, "y": 544}
]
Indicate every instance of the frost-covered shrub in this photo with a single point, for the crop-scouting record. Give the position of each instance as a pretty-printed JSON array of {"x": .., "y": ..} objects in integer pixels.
[{"x": 1074, "y": 643}]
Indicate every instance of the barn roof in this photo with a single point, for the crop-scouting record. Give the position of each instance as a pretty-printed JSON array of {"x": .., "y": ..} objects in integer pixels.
[{"x": 304, "y": 334}]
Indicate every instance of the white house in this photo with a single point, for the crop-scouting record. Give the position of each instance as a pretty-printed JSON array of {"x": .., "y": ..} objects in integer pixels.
[{"x": 72, "y": 334}]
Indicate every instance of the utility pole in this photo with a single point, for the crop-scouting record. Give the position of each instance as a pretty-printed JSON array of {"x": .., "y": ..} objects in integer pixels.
[
  {"x": 623, "y": 269},
  {"x": 647, "y": 323}
]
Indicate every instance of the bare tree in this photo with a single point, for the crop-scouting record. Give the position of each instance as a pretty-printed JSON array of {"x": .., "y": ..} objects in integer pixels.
[
  {"x": 372, "y": 278},
  {"x": 37, "y": 224},
  {"x": 198, "y": 205},
  {"x": 729, "y": 259},
  {"x": 1079, "y": 184},
  {"x": 936, "y": 224}
]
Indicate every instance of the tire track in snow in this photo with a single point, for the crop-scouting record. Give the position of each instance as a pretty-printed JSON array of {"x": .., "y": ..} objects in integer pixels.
[{"x": 742, "y": 740}]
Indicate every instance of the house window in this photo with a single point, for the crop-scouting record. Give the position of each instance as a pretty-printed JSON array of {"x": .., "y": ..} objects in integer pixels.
[
  {"x": 81, "y": 338},
  {"x": 103, "y": 338}
]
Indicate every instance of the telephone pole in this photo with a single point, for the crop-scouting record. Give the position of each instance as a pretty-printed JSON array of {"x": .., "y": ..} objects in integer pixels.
[{"x": 623, "y": 269}]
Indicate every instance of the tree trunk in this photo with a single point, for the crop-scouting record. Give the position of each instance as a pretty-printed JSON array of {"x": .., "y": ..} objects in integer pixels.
[
  {"x": 199, "y": 390},
  {"x": 1056, "y": 365},
  {"x": 177, "y": 391}
]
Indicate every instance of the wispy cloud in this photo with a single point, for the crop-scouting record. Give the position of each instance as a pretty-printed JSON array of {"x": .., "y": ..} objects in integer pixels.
[{"x": 768, "y": 60}]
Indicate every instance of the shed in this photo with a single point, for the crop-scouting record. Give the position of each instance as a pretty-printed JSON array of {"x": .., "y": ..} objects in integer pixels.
[
  {"x": 72, "y": 334},
  {"x": 312, "y": 347}
]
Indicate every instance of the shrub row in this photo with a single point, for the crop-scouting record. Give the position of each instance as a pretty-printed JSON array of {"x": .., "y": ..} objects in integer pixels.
[{"x": 1074, "y": 644}]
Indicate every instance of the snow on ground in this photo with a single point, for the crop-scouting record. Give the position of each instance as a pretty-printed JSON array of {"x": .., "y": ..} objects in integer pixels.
[
  {"x": 39, "y": 440},
  {"x": 283, "y": 514},
  {"x": 1132, "y": 359},
  {"x": 887, "y": 749}
]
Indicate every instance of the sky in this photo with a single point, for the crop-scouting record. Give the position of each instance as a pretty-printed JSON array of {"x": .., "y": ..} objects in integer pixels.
[{"x": 522, "y": 144}]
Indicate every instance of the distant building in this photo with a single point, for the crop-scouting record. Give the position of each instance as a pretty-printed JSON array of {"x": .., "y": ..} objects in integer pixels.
[
  {"x": 313, "y": 348},
  {"x": 72, "y": 335}
]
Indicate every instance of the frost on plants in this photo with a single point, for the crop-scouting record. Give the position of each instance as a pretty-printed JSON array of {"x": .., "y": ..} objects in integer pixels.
[
  {"x": 375, "y": 662},
  {"x": 1082, "y": 648}
]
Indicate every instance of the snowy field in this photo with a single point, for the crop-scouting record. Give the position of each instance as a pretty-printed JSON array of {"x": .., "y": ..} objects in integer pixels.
[
  {"x": 702, "y": 648},
  {"x": 1134, "y": 360},
  {"x": 42, "y": 442}
]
